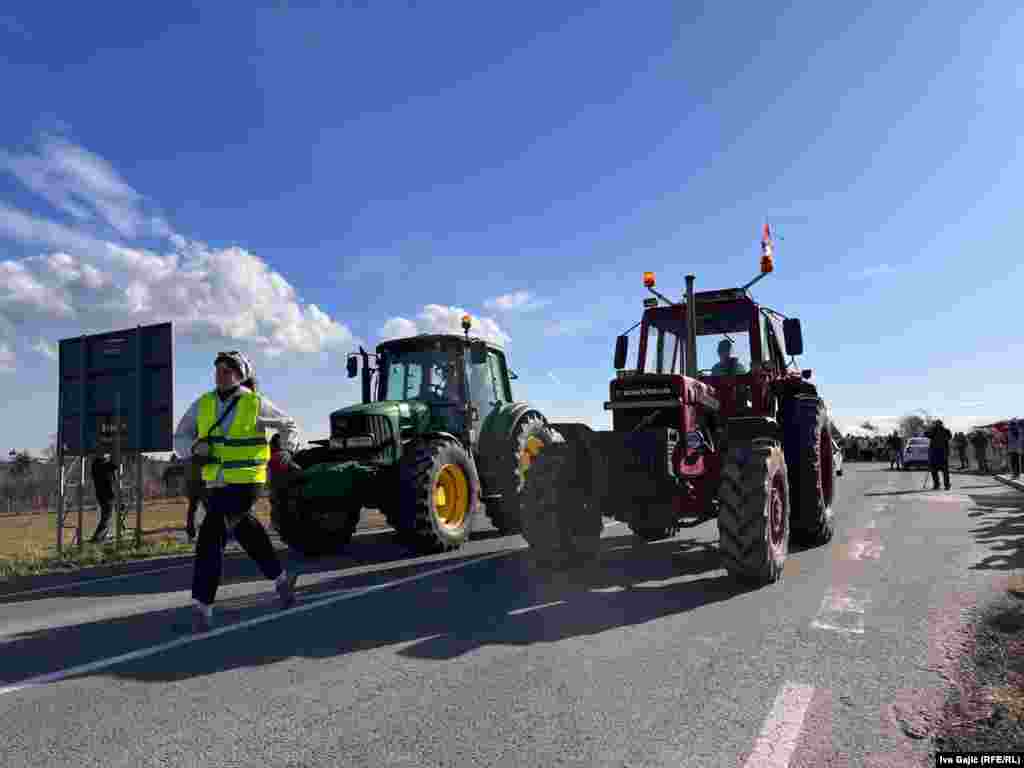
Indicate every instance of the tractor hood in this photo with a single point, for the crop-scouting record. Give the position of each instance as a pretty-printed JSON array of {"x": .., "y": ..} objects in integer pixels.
[
  {"x": 651, "y": 388},
  {"x": 408, "y": 415}
]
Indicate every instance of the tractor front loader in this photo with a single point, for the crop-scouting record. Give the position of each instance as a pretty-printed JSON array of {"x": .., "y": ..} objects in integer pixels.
[
  {"x": 691, "y": 442},
  {"x": 442, "y": 435}
]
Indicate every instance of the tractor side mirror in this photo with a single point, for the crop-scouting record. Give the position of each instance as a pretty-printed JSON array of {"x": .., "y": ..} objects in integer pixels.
[
  {"x": 621, "y": 351},
  {"x": 353, "y": 367},
  {"x": 806, "y": 373},
  {"x": 793, "y": 336},
  {"x": 478, "y": 353}
]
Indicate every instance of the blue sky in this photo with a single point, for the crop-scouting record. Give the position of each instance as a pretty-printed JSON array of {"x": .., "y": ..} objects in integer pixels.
[{"x": 293, "y": 178}]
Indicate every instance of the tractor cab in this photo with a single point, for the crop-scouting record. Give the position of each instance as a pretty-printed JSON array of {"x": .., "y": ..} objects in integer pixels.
[
  {"x": 454, "y": 381},
  {"x": 737, "y": 350}
]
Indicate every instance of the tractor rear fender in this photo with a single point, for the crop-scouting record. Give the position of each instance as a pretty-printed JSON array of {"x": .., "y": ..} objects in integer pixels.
[{"x": 497, "y": 427}]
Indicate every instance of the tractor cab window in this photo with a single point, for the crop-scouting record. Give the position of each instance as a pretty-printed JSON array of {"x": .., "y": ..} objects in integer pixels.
[
  {"x": 421, "y": 374},
  {"x": 499, "y": 377},
  {"x": 665, "y": 346},
  {"x": 483, "y": 386},
  {"x": 716, "y": 323}
]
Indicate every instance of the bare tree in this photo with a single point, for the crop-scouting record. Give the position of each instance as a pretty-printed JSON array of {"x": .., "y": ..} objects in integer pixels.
[
  {"x": 869, "y": 427},
  {"x": 912, "y": 424}
]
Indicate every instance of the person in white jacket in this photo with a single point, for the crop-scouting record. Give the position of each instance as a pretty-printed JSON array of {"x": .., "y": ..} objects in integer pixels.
[{"x": 234, "y": 450}]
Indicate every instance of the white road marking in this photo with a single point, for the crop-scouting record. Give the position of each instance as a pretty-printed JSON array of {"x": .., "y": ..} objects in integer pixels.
[
  {"x": 842, "y": 610},
  {"x": 520, "y": 611},
  {"x": 778, "y": 738},
  {"x": 93, "y": 666}
]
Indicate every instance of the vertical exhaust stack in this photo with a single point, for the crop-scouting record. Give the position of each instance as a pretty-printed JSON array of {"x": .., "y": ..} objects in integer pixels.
[
  {"x": 691, "y": 330},
  {"x": 367, "y": 394}
]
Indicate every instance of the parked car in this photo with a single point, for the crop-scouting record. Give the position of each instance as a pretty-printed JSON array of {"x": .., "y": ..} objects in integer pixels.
[{"x": 916, "y": 452}]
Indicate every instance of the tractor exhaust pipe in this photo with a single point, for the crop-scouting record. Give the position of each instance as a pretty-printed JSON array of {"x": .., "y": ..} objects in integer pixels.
[{"x": 691, "y": 330}]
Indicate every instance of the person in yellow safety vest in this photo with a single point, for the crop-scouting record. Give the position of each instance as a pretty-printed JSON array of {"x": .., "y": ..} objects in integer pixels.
[{"x": 234, "y": 455}]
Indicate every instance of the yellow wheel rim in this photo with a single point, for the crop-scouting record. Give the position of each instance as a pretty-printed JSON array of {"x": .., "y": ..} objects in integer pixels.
[
  {"x": 451, "y": 496},
  {"x": 534, "y": 445}
]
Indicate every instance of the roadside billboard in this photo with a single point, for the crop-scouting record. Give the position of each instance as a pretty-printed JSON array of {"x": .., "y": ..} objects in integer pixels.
[{"x": 129, "y": 373}]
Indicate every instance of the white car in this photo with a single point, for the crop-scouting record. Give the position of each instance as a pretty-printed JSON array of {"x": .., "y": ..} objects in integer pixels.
[{"x": 916, "y": 452}]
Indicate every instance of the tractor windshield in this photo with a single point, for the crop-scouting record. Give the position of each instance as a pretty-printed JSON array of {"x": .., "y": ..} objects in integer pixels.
[
  {"x": 723, "y": 340},
  {"x": 421, "y": 374}
]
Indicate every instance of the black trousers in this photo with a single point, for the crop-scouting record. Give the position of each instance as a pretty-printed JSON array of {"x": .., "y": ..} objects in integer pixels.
[
  {"x": 224, "y": 506},
  {"x": 962, "y": 452},
  {"x": 1015, "y": 463},
  {"x": 940, "y": 464},
  {"x": 106, "y": 512}
]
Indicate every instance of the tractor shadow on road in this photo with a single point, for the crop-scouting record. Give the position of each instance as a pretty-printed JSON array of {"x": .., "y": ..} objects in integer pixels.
[
  {"x": 368, "y": 550},
  {"x": 507, "y": 600},
  {"x": 1000, "y": 526}
]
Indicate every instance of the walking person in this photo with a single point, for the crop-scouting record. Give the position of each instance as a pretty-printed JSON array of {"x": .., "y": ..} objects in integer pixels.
[
  {"x": 1014, "y": 444},
  {"x": 938, "y": 452},
  {"x": 104, "y": 474},
  {"x": 979, "y": 441},
  {"x": 196, "y": 490},
  {"x": 960, "y": 443},
  {"x": 226, "y": 430}
]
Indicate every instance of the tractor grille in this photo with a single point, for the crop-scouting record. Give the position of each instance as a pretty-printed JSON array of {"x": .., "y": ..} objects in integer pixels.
[
  {"x": 380, "y": 427},
  {"x": 639, "y": 462}
]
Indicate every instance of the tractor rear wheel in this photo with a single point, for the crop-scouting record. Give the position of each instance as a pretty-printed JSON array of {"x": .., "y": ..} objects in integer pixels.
[
  {"x": 315, "y": 527},
  {"x": 753, "y": 513},
  {"x": 519, "y": 450},
  {"x": 440, "y": 495},
  {"x": 559, "y": 523},
  {"x": 809, "y": 457}
]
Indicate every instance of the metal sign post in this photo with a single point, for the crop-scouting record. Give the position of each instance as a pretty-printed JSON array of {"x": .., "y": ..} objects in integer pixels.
[
  {"x": 138, "y": 439},
  {"x": 117, "y": 461}
]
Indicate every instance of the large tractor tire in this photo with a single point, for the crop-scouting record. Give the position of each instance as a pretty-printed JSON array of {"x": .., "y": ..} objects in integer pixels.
[
  {"x": 519, "y": 450},
  {"x": 315, "y": 527},
  {"x": 808, "y": 441},
  {"x": 753, "y": 513},
  {"x": 559, "y": 523},
  {"x": 440, "y": 496}
]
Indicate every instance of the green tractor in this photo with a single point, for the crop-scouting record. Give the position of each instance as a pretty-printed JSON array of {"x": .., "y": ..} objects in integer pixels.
[{"x": 436, "y": 434}]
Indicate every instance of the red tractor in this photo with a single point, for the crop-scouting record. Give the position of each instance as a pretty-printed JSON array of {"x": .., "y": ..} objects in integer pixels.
[{"x": 750, "y": 446}]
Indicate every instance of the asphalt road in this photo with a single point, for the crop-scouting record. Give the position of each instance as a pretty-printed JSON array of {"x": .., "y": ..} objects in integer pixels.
[{"x": 653, "y": 658}]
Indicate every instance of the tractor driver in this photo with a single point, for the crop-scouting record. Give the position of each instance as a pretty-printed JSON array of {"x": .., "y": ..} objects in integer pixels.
[{"x": 727, "y": 365}]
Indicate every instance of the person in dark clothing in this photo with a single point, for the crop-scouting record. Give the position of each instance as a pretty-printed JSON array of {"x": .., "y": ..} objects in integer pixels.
[
  {"x": 938, "y": 452},
  {"x": 979, "y": 441},
  {"x": 104, "y": 472},
  {"x": 960, "y": 443}
]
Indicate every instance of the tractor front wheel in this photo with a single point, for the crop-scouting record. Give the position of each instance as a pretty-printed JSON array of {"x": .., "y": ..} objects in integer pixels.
[
  {"x": 315, "y": 527},
  {"x": 560, "y": 525},
  {"x": 439, "y": 485},
  {"x": 753, "y": 513}
]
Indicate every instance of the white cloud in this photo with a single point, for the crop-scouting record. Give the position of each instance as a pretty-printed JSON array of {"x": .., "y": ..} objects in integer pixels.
[
  {"x": 435, "y": 318},
  {"x": 83, "y": 185},
  {"x": 7, "y": 360},
  {"x": 45, "y": 348},
  {"x": 875, "y": 271},
  {"x": 520, "y": 301},
  {"x": 398, "y": 327},
  {"x": 210, "y": 294}
]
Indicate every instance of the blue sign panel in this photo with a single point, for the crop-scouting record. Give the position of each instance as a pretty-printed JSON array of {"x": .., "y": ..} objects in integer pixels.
[{"x": 124, "y": 377}]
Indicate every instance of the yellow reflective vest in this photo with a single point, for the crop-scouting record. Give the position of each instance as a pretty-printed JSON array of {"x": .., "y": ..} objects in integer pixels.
[{"x": 242, "y": 454}]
